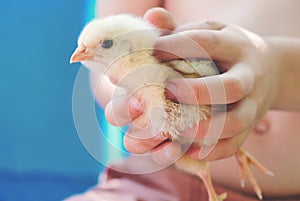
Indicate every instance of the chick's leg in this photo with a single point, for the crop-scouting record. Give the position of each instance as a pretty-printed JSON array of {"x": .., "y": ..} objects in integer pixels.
[
  {"x": 201, "y": 169},
  {"x": 245, "y": 160}
]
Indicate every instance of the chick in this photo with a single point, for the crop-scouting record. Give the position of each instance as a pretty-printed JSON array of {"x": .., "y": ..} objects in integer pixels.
[{"x": 121, "y": 46}]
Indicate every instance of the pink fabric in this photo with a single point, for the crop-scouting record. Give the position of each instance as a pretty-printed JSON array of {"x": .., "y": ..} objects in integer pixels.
[{"x": 165, "y": 185}]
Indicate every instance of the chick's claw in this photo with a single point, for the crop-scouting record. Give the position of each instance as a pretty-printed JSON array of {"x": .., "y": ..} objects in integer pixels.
[
  {"x": 212, "y": 195},
  {"x": 245, "y": 160},
  {"x": 200, "y": 169}
]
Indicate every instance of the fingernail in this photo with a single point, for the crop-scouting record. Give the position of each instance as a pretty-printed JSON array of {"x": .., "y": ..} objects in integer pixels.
[
  {"x": 135, "y": 105},
  {"x": 173, "y": 89}
]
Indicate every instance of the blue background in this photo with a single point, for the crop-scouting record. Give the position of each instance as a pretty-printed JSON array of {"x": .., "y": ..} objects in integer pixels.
[{"x": 41, "y": 157}]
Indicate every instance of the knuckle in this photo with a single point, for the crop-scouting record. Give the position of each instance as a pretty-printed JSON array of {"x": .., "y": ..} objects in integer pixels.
[
  {"x": 200, "y": 93},
  {"x": 210, "y": 41},
  {"x": 234, "y": 90},
  {"x": 206, "y": 40}
]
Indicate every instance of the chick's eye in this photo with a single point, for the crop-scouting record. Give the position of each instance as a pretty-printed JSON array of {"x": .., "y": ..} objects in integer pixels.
[{"x": 107, "y": 44}]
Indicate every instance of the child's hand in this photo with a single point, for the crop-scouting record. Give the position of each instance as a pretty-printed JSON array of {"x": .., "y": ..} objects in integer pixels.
[{"x": 249, "y": 78}]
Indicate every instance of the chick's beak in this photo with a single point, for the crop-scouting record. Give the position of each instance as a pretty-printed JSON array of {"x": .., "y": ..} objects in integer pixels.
[{"x": 81, "y": 54}]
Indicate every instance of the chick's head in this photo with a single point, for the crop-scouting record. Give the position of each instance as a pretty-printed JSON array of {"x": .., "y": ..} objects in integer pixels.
[{"x": 104, "y": 40}]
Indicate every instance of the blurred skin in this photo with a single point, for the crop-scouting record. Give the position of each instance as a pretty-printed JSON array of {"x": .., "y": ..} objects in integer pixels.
[{"x": 258, "y": 73}]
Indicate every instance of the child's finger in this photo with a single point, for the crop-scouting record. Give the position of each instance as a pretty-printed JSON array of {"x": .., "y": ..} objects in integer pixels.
[
  {"x": 226, "y": 88},
  {"x": 206, "y": 24},
  {"x": 161, "y": 18},
  {"x": 208, "y": 44},
  {"x": 139, "y": 141},
  {"x": 119, "y": 115}
]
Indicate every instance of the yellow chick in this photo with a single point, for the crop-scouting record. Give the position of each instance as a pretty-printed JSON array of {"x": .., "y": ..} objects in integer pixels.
[{"x": 121, "y": 46}]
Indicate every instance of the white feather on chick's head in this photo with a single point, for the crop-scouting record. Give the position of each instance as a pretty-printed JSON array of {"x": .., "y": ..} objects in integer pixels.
[
  {"x": 112, "y": 26},
  {"x": 104, "y": 40}
]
